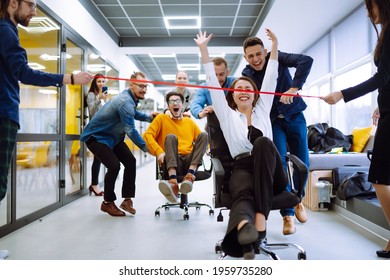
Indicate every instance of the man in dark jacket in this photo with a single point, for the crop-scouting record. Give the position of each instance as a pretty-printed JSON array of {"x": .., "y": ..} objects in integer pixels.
[
  {"x": 14, "y": 68},
  {"x": 288, "y": 122}
]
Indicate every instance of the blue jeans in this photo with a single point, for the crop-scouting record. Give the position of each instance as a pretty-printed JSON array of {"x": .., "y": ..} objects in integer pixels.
[{"x": 291, "y": 135}]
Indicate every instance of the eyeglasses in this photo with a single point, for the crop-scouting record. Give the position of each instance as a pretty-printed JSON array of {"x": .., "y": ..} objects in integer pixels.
[
  {"x": 142, "y": 87},
  {"x": 32, "y": 5},
  {"x": 173, "y": 102}
]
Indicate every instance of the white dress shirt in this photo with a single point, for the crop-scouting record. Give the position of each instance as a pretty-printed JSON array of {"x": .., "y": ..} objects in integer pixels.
[{"x": 233, "y": 123}]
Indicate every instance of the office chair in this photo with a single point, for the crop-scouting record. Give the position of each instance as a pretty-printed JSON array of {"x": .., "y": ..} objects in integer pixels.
[
  {"x": 162, "y": 174},
  {"x": 222, "y": 166}
]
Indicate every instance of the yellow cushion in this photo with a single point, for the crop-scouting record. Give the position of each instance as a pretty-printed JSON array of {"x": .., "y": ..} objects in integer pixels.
[{"x": 360, "y": 138}]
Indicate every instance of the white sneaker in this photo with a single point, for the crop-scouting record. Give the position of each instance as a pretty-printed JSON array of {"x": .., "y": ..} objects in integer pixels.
[
  {"x": 3, "y": 254},
  {"x": 168, "y": 190}
]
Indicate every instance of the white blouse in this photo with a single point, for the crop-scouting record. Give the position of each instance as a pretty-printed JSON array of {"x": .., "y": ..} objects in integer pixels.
[{"x": 233, "y": 123}]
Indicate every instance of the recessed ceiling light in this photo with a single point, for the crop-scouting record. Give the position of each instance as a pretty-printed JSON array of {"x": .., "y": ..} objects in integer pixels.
[
  {"x": 40, "y": 25},
  {"x": 215, "y": 55},
  {"x": 53, "y": 57},
  {"x": 98, "y": 67},
  {"x": 36, "y": 66},
  {"x": 93, "y": 56},
  {"x": 162, "y": 55},
  {"x": 202, "y": 77},
  {"x": 187, "y": 22},
  {"x": 169, "y": 77},
  {"x": 189, "y": 66}
]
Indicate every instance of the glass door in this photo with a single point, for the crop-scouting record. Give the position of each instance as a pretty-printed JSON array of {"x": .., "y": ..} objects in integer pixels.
[{"x": 73, "y": 122}]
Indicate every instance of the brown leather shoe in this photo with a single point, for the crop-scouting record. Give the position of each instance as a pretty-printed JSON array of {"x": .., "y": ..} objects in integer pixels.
[
  {"x": 170, "y": 189},
  {"x": 111, "y": 209},
  {"x": 288, "y": 225},
  {"x": 187, "y": 183},
  {"x": 300, "y": 213},
  {"x": 127, "y": 205}
]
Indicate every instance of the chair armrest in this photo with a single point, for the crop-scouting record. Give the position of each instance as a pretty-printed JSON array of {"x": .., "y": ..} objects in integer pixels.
[
  {"x": 218, "y": 168},
  {"x": 303, "y": 172}
]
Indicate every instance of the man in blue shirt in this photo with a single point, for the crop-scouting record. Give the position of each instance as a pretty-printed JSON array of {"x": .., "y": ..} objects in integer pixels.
[
  {"x": 105, "y": 135},
  {"x": 202, "y": 97},
  {"x": 288, "y": 122},
  {"x": 14, "y": 68}
]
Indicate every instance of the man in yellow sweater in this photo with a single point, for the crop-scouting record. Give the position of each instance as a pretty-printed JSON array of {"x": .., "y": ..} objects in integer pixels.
[{"x": 179, "y": 144}]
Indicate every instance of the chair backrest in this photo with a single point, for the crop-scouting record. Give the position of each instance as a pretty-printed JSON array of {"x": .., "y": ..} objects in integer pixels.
[{"x": 223, "y": 162}]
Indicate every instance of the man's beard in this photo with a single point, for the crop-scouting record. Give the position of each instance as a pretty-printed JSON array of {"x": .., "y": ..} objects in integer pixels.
[
  {"x": 22, "y": 21},
  {"x": 140, "y": 96}
]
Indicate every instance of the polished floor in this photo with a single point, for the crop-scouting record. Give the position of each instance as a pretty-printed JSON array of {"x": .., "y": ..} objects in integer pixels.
[{"x": 80, "y": 231}]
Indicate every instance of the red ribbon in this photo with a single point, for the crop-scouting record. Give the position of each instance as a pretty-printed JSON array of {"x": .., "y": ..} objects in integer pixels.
[{"x": 200, "y": 86}]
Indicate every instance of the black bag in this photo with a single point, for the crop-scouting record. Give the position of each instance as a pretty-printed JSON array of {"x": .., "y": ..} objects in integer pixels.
[
  {"x": 355, "y": 185},
  {"x": 322, "y": 138}
]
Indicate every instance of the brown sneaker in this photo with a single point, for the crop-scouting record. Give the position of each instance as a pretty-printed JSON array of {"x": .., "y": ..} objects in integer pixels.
[
  {"x": 288, "y": 225},
  {"x": 111, "y": 209},
  {"x": 169, "y": 189},
  {"x": 300, "y": 213},
  {"x": 127, "y": 205},
  {"x": 187, "y": 183}
]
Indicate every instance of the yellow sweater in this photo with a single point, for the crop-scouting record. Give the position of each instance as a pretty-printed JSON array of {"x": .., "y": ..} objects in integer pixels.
[{"x": 185, "y": 129}]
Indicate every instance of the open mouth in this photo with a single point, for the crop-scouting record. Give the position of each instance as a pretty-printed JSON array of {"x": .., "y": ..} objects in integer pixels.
[
  {"x": 243, "y": 98},
  {"x": 176, "y": 110}
]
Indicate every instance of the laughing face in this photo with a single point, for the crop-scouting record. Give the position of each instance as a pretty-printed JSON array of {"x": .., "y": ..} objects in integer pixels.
[
  {"x": 255, "y": 56},
  {"x": 243, "y": 99}
]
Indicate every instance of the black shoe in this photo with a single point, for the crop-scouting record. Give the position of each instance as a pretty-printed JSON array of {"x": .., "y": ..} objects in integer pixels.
[
  {"x": 248, "y": 252},
  {"x": 258, "y": 243},
  {"x": 247, "y": 234},
  {"x": 383, "y": 254}
]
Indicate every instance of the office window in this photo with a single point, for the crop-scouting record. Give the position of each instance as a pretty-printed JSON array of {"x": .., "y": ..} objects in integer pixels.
[
  {"x": 352, "y": 38},
  {"x": 317, "y": 110},
  {"x": 356, "y": 113}
]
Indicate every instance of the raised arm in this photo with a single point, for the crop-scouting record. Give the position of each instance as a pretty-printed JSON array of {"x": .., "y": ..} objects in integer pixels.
[
  {"x": 202, "y": 40},
  {"x": 274, "y": 48}
]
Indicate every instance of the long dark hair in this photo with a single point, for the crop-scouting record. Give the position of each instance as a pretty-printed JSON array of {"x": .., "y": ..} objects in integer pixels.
[
  {"x": 229, "y": 95},
  {"x": 3, "y": 9},
  {"x": 94, "y": 88},
  {"x": 384, "y": 15}
]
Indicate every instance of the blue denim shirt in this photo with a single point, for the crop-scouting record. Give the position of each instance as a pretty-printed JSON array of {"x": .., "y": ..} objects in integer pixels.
[
  {"x": 14, "y": 68},
  {"x": 303, "y": 64},
  {"x": 114, "y": 120},
  {"x": 202, "y": 97}
]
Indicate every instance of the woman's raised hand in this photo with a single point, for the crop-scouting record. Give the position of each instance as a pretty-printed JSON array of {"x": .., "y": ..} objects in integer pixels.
[{"x": 202, "y": 39}]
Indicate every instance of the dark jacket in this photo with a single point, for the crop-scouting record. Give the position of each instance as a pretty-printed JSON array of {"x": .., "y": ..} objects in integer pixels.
[
  {"x": 14, "y": 68},
  {"x": 302, "y": 63}
]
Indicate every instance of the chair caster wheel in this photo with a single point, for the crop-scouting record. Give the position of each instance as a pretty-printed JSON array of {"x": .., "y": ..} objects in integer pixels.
[
  {"x": 166, "y": 208},
  {"x": 301, "y": 256},
  {"x": 157, "y": 213},
  {"x": 211, "y": 212},
  {"x": 218, "y": 249},
  {"x": 186, "y": 216},
  {"x": 197, "y": 207}
]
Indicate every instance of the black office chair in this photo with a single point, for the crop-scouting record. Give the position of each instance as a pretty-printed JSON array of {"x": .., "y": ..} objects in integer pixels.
[
  {"x": 222, "y": 167},
  {"x": 162, "y": 174}
]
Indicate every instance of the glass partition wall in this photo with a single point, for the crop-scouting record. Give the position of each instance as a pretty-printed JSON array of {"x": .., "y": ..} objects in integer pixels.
[{"x": 47, "y": 169}]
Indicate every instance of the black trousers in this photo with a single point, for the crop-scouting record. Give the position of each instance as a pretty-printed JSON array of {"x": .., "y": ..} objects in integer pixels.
[
  {"x": 253, "y": 183},
  {"x": 95, "y": 171},
  {"x": 111, "y": 159}
]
